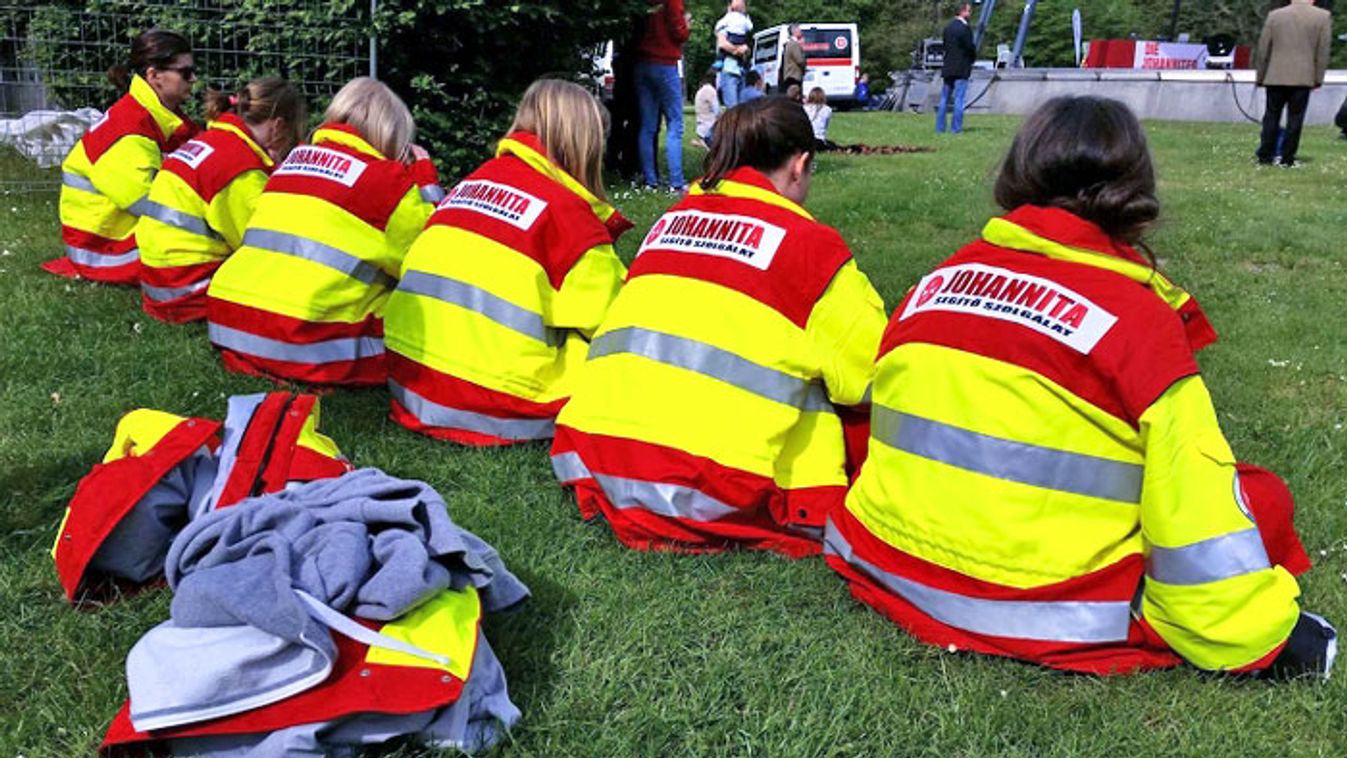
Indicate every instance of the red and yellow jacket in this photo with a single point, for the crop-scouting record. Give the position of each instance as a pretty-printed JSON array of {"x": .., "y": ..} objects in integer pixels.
[
  {"x": 1046, "y": 477},
  {"x": 704, "y": 417},
  {"x": 195, "y": 215},
  {"x": 303, "y": 297},
  {"x": 125, "y": 512},
  {"x": 105, "y": 180},
  {"x": 498, "y": 298}
]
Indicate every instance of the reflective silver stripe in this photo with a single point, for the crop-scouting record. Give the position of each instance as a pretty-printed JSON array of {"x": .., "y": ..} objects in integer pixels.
[
  {"x": 569, "y": 468},
  {"x": 164, "y": 294},
  {"x": 310, "y": 250},
  {"x": 78, "y": 182},
  {"x": 478, "y": 300},
  {"x": 178, "y": 219},
  {"x": 672, "y": 500},
  {"x": 1075, "y": 621},
  {"x": 714, "y": 362},
  {"x": 434, "y": 414},
  {"x": 327, "y": 351},
  {"x": 1007, "y": 459},
  {"x": 99, "y": 260},
  {"x": 1209, "y": 560},
  {"x": 140, "y": 207},
  {"x": 432, "y": 193}
]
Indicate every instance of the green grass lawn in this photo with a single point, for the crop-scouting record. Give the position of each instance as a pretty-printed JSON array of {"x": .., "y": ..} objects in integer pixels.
[{"x": 622, "y": 653}]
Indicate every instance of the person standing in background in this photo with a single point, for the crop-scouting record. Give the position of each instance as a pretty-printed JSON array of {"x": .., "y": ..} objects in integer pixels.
[
  {"x": 792, "y": 59},
  {"x": 1291, "y": 59},
  {"x": 959, "y": 54},
  {"x": 732, "y": 35},
  {"x": 659, "y": 90}
]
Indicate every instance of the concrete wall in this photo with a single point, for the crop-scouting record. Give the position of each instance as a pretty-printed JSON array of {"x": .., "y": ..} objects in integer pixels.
[{"x": 1162, "y": 95}]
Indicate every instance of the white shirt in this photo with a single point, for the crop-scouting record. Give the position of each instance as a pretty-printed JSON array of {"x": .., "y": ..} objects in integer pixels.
[{"x": 819, "y": 116}]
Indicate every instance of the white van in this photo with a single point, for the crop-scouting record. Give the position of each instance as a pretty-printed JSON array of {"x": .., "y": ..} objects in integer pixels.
[{"x": 832, "y": 54}]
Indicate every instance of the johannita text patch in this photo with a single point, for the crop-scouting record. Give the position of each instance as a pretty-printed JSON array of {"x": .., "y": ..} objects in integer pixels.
[
  {"x": 322, "y": 163},
  {"x": 192, "y": 153},
  {"x": 741, "y": 238},
  {"x": 499, "y": 201},
  {"x": 1039, "y": 304}
]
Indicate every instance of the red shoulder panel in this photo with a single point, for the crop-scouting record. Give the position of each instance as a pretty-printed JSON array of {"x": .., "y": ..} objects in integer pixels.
[
  {"x": 769, "y": 253},
  {"x": 211, "y": 161},
  {"x": 125, "y": 117},
  {"x": 369, "y": 188},
  {"x": 507, "y": 201},
  {"x": 1101, "y": 335}
]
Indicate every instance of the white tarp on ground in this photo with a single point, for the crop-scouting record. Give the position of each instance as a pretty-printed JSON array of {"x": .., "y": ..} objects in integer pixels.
[{"x": 46, "y": 136}]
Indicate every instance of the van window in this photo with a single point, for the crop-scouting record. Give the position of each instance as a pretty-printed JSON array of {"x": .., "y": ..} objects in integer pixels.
[
  {"x": 827, "y": 43},
  {"x": 764, "y": 48}
]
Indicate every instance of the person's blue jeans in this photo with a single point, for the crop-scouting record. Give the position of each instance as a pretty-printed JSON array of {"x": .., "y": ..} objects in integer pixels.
[
  {"x": 659, "y": 92},
  {"x": 960, "y": 90},
  {"x": 730, "y": 87}
]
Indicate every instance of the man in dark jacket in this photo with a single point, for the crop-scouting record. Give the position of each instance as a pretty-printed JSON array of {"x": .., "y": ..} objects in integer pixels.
[
  {"x": 959, "y": 53},
  {"x": 792, "y": 59}
]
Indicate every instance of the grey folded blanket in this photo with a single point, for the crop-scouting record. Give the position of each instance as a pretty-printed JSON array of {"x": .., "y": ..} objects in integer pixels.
[{"x": 365, "y": 544}]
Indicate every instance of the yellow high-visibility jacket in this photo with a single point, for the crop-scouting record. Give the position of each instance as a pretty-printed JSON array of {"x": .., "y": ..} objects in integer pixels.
[
  {"x": 303, "y": 296},
  {"x": 105, "y": 179},
  {"x": 195, "y": 215},
  {"x": 704, "y": 416},
  {"x": 1046, "y": 477},
  {"x": 498, "y": 298}
]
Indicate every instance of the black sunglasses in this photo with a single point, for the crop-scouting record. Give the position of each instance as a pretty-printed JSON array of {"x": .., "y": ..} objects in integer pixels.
[{"x": 186, "y": 72}]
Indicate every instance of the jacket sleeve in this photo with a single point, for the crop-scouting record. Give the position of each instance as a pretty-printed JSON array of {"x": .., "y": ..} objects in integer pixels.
[
  {"x": 1263, "y": 52},
  {"x": 678, "y": 25},
  {"x": 588, "y": 289},
  {"x": 1322, "y": 48},
  {"x": 230, "y": 209},
  {"x": 405, "y": 223},
  {"x": 125, "y": 172},
  {"x": 845, "y": 328},
  {"x": 1210, "y": 591}
]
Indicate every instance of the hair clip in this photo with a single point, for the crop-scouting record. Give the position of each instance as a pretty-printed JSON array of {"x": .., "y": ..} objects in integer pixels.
[{"x": 233, "y": 99}]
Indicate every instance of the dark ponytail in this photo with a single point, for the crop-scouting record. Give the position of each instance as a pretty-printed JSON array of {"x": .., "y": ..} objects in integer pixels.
[
  {"x": 217, "y": 104},
  {"x": 1087, "y": 155},
  {"x": 260, "y": 100},
  {"x": 762, "y": 133},
  {"x": 152, "y": 47}
]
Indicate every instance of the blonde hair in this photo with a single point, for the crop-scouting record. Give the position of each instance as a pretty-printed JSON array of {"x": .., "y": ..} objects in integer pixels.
[
  {"x": 377, "y": 113},
  {"x": 570, "y": 123}
]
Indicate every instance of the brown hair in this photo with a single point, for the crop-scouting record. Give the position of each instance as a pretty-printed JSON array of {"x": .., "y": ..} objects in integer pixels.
[
  {"x": 570, "y": 123},
  {"x": 1087, "y": 155},
  {"x": 762, "y": 133},
  {"x": 261, "y": 100},
  {"x": 377, "y": 113},
  {"x": 817, "y": 97},
  {"x": 152, "y": 47}
]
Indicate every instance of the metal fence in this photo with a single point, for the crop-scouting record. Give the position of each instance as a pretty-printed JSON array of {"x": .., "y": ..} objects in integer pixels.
[{"x": 54, "y": 58}]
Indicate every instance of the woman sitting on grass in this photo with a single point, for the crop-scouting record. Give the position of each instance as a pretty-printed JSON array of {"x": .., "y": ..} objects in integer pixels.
[
  {"x": 106, "y": 176},
  {"x": 1046, "y": 477},
  {"x": 201, "y": 201},
  {"x": 501, "y": 292},
  {"x": 820, "y": 116},
  {"x": 303, "y": 298},
  {"x": 704, "y": 417}
]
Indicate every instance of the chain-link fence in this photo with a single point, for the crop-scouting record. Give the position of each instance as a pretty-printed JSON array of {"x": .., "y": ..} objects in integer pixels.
[{"x": 54, "y": 58}]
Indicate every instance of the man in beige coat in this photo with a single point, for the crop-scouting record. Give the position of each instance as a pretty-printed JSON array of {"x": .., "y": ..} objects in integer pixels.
[
  {"x": 792, "y": 59},
  {"x": 1291, "y": 59}
]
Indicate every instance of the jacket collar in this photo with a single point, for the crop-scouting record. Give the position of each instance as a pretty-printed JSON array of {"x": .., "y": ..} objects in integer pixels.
[
  {"x": 526, "y": 147},
  {"x": 231, "y": 123},
  {"x": 346, "y": 136},
  {"x": 750, "y": 183},
  {"x": 145, "y": 96},
  {"x": 1062, "y": 235}
]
